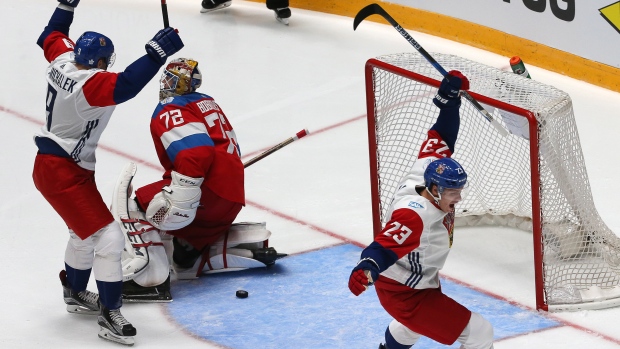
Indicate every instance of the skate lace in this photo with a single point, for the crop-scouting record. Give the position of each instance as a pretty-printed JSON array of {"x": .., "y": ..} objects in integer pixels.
[
  {"x": 89, "y": 297},
  {"x": 118, "y": 318}
]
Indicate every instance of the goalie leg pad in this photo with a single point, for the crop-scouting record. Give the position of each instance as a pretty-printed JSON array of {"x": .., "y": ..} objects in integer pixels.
[
  {"x": 158, "y": 268},
  {"x": 138, "y": 233},
  {"x": 219, "y": 260},
  {"x": 245, "y": 233}
]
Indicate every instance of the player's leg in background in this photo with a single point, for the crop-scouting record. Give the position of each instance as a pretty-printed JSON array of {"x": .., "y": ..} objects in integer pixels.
[
  {"x": 212, "y": 5},
  {"x": 281, "y": 10}
]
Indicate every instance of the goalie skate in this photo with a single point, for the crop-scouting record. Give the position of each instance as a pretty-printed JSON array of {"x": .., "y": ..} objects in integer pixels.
[
  {"x": 115, "y": 328},
  {"x": 214, "y": 5},
  {"x": 134, "y": 293}
]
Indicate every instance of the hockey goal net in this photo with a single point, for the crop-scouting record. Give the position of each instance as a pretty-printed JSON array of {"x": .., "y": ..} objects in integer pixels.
[{"x": 533, "y": 179}]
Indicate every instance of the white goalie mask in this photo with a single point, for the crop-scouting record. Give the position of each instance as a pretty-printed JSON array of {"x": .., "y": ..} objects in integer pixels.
[{"x": 181, "y": 76}]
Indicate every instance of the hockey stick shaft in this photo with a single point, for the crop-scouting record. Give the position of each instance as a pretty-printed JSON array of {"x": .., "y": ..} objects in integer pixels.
[
  {"x": 277, "y": 147},
  {"x": 375, "y": 9},
  {"x": 164, "y": 13}
]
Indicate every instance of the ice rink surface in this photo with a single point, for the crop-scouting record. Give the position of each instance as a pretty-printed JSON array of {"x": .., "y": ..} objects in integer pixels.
[{"x": 271, "y": 81}]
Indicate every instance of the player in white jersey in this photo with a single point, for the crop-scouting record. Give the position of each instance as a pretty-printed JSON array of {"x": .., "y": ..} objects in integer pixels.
[
  {"x": 404, "y": 260},
  {"x": 81, "y": 96}
]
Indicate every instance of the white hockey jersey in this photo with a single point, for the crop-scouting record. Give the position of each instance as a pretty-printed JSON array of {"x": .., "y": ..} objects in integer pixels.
[
  {"x": 79, "y": 103},
  {"x": 72, "y": 122},
  {"x": 416, "y": 229}
]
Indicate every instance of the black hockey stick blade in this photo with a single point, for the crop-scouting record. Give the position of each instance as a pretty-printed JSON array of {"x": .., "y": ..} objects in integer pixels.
[
  {"x": 372, "y": 9},
  {"x": 375, "y": 9}
]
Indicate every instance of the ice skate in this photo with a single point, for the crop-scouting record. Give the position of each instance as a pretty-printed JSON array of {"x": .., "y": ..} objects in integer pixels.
[
  {"x": 114, "y": 327},
  {"x": 282, "y": 15},
  {"x": 213, "y": 5},
  {"x": 134, "y": 293},
  {"x": 280, "y": 9},
  {"x": 84, "y": 302}
]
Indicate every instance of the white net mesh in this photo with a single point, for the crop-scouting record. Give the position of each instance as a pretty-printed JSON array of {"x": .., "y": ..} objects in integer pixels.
[{"x": 581, "y": 258}]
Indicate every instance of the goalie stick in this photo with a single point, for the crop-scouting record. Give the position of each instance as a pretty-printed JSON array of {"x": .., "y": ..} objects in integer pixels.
[
  {"x": 277, "y": 147},
  {"x": 375, "y": 9},
  {"x": 164, "y": 13}
]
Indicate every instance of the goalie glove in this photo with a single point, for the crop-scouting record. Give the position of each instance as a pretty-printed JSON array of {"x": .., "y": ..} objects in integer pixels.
[{"x": 175, "y": 206}]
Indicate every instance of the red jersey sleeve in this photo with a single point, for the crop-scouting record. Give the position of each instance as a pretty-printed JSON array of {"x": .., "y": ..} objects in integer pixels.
[
  {"x": 99, "y": 89},
  {"x": 56, "y": 44},
  {"x": 434, "y": 146},
  {"x": 402, "y": 233}
]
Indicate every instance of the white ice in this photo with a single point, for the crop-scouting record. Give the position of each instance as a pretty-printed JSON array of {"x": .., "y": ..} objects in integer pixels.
[{"x": 271, "y": 81}]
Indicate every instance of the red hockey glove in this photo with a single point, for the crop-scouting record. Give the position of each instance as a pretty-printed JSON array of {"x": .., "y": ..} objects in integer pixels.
[{"x": 362, "y": 276}]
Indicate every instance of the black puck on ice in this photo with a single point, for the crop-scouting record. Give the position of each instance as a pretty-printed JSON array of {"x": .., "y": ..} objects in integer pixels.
[{"x": 242, "y": 294}]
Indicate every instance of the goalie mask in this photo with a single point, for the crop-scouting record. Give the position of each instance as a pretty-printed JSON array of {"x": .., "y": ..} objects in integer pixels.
[{"x": 181, "y": 76}]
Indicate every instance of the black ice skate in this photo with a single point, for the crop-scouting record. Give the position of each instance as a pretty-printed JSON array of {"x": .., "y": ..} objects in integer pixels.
[
  {"x": 114, "y": 327},
  {"x": 134, "y": 293},
  {"x": 280, "y": 9},
  {"x": 212, "y": 5},
  {"x": 84, "y": 302}
]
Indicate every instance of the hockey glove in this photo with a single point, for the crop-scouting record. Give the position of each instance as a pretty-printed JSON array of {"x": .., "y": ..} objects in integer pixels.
[
  {"x": 448, "y": 94},
  {"x": 164, "y": 44},
  {"x": 72, "y": 3},
  {"x": 363, "y": 275},
  {"x": 175, "y": 206}
]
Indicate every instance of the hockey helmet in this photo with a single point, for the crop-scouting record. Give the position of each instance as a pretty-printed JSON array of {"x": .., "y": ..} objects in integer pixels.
[
  {"x": 91, "y": 47},
  {"x": 445, "y": 173},
  {"x": 181, "y": 76}
]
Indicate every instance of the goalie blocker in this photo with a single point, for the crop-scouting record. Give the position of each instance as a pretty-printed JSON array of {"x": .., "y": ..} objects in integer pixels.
[{"x": 148, "y": 254}]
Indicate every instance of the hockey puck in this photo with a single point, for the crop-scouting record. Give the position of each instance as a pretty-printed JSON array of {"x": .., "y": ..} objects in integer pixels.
[{"x": 242, "y": 294}]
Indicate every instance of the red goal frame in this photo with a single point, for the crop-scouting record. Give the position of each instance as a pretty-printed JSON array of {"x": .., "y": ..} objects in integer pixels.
[{"x": 373, "y": 64}]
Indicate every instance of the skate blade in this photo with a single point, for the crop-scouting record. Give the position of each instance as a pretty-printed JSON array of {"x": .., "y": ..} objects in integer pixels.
[
  {"x": 76, "y": 309},
  {"x": 218, "y": 7},
  {"x": 141, "y": 300},
  {"x": 109, "y": 336},
  {"x": 282, "y": 20},
  {"x": 165, "y": 297}
]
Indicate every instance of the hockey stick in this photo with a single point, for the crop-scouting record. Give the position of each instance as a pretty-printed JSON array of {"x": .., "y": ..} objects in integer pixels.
[
  {"x": 297, "y": 136},
  {"x": 164, "y": 13},
  {"x": 375, "y": 9}
]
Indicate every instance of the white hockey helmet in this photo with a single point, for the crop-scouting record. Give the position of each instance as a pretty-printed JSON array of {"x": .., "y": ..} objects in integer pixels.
[{"x": 181, "y": 76}]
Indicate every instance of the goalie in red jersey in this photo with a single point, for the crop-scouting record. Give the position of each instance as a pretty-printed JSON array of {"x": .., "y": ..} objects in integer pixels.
[
  {"x": 187, "y": 217},
  {"x": 404, "y": 260}
]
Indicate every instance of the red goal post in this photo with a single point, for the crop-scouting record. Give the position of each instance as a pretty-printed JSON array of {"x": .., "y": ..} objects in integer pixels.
[{"x": 536, "y": 183}]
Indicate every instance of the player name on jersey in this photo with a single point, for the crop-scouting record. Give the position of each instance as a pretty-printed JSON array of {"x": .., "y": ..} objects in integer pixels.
[
  {"x": 61, "y": 81},
  {"x": 206, "y": 105}
]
